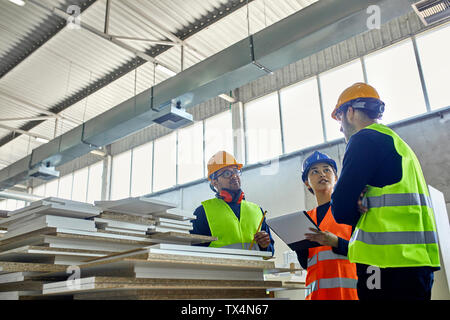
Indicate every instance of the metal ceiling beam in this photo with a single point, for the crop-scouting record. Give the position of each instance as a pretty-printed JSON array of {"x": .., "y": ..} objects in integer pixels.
[
  {"x": 163, "y": 30},
  {"x": 162, "y": 42},
  {"x": 34, "y": 135},
  {"x": 19, "y": 196},
  {"x": 91, "y": 29},
  {"x": 36, "y": 108},
  {"x": 198, "y": 25},
  {"x": 107, "y": 13},
  {"x": 27, "y": 118}
]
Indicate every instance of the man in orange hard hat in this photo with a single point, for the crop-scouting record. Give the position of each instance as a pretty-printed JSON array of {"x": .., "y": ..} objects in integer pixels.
[
  {"x": 229, "y": 217},
  {"x": 382, "y": 193}
]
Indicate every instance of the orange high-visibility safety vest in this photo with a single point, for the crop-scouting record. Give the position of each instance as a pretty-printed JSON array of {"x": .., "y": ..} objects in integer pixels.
[{"x": 330, "y": 276}]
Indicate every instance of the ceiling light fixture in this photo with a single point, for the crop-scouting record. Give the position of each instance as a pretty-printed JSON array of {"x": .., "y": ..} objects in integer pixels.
[
  {"x": 18, "y": 2},
  {"x": 98, "y": 153},
  {"x": 43, "y": 140},
  {"x": 165, "y": 70}
]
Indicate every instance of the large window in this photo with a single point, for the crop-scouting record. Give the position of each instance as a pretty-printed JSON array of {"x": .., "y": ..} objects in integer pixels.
[
  {"x": 141, "y": 173},
  {"x": 300, "y": 112},
  {"x": 11, "y": 204},
  {"x": 218, "y": 135},
  {"x": 80, "y": 182},
  {"x": 394, "y": 74},
  {"x": 51, "y": 188},
  {"x": 94, "y": 192},
  {"x": 65, "y": 187},
  {"x": 190, "y": 153},
  {"x": 120, "y": 175},
  {"x": 39, "y": 190},
  {"x": 262, "y": 118},
  {"x": 164, "y": 175},
  {"x": 332, "y": 84},
  {"x": 434, "y": 51}
]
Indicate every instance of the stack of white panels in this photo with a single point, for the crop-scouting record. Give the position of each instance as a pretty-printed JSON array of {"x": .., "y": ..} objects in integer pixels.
[
  {"x": 223, "y": 253},
  {"x": 63, "y": 224},
  {"x": 58, "y": 206},
  {"x": 169, "y": 262},
  {"x": 167, "y": 218},
  {"x": 139, "y": 206},
  {"x": 121, "y": 226},
  {"x": 170, "y": 225},
  {"x": 65, "y": 215}
]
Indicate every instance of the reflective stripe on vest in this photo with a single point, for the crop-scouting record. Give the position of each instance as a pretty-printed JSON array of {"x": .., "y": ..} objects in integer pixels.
[
  {"x": 330, "y": 284},
  {"x": 325, "y": 255},
  {"x": 388, "y": 238},
  {"x": 397, "y": 200},
  {"x": 328, "y": 270}
]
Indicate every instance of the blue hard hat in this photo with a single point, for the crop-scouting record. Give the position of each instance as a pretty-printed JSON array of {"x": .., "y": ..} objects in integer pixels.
[{"x": 316, "y": 157}]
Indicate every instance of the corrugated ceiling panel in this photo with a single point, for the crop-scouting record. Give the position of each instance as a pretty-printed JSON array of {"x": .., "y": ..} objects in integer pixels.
[
  {"x": 19, "y": 22},
  {"x": 12, "y": 108},
  {"x": 74, "y": 58}
]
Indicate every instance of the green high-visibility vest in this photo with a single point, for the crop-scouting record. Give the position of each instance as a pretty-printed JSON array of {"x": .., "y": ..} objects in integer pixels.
[
  {"x": 230, "y": 231},
  {"x": 399, "y": 229}
]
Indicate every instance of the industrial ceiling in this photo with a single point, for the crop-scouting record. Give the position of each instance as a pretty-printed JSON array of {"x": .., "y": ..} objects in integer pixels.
[
  {"x": 54, "y": 77},
  {"x": 57, "y": 78}
]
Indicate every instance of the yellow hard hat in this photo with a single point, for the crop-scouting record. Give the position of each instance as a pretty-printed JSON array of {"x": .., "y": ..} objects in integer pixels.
[
  {"x": 221, "y": 160},
  {"x": 357, "y": 91}
]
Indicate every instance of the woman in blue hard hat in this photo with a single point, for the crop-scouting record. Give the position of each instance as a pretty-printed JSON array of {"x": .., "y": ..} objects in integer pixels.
[{"x": 330, "y": 276}]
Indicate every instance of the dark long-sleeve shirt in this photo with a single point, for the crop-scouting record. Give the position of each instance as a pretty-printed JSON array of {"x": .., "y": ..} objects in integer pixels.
[
  {"x": 370, "y": 159},
  {"x": 342, "y": 247},
  {"x": 201, "y": 225}
]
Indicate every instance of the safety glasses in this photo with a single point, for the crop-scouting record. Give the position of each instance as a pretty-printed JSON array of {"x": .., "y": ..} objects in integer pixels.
[{"x": 227, "y": 174}]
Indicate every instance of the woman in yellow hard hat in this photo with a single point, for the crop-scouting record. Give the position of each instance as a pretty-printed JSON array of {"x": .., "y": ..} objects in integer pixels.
[{"x": 228, "y": 216}]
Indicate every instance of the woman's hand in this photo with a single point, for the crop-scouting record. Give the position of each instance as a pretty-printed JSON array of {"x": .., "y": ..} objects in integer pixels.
[{"x": 325, "y": 238}]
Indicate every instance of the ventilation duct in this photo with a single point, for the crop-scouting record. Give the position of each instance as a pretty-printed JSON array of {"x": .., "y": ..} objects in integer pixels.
[
  {"x": 43, "y": 172},
  {"x": 432, "y": 11},
  {"x": 315, "y": 28}
]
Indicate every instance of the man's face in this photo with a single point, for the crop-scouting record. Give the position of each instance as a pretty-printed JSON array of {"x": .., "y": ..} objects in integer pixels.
[
  {"x": 321, "y": 177},
  {"x": 345, "y": 117},
  {"x": 228, "y": 178}
]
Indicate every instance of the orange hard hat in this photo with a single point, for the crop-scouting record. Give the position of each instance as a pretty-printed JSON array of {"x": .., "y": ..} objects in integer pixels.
[
  {"x": 356, "y": 91},
  {"x": 221, "y": 160}
]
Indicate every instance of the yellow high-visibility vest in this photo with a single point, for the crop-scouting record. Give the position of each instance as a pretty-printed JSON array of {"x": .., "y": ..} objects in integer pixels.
[
  {"x": 229, "y": 230},
  {"x": 399, "y": 229}
]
